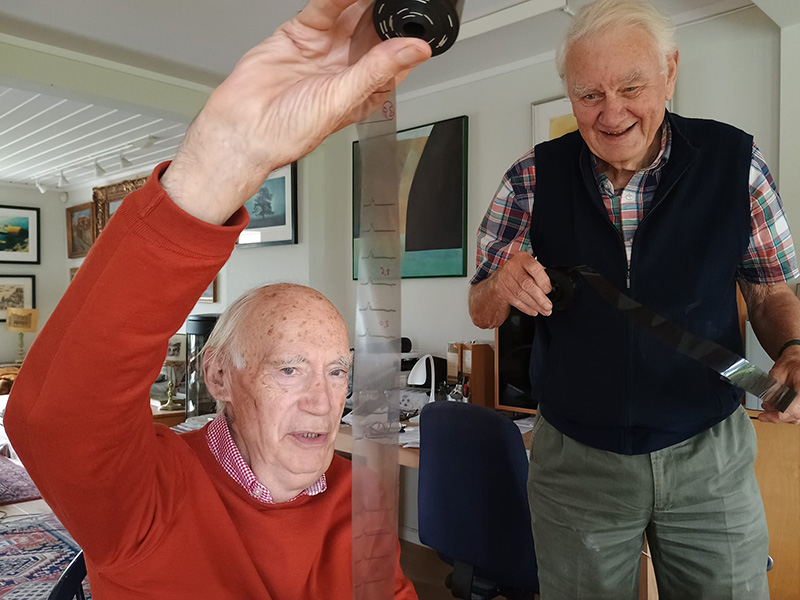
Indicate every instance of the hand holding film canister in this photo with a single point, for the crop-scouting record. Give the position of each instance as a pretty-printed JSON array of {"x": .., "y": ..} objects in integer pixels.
[{"x": 282, "y": 99}]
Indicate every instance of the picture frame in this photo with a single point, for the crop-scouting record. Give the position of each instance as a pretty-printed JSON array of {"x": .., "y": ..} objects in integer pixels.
[
  {"x": 176, "y": 349},
  {"x": 17, "y": 291},
  {"x": 209, "y": 296},
  {"x": 551, "y": 119},
  {"x": 81, "y": 229},
  {"x": 273, "y": 211},
  {"x": 20, "y": 232},
  {"x": 433, "y": 199},
  {"x": 108, "y": 198},
  {"x": 72, "y": 272}
]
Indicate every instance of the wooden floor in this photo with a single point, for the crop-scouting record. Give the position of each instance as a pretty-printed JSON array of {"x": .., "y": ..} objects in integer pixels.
[{"x": 425, "y": 570}]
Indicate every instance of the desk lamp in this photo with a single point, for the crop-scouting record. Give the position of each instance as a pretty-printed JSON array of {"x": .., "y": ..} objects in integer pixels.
[
  {"x": 418, "y": 374},
  {"x": 21, "y": 320}
]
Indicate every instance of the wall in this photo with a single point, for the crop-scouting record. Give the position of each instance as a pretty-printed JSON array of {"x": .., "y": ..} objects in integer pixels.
[
  {"x": 790, "y": 124},
  {"x": 52, "y": 273},
  {"x": 730, "y": 71}
]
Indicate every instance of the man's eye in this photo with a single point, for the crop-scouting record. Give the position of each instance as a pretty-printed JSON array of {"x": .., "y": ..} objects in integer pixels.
[
  {"x": 288, "y": 370},
  {"x": 338, "y": 372}
]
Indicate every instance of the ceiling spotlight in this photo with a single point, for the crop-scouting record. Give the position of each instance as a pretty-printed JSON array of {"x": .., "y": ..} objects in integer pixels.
[
  {"x": 145, "y": 142},
  {"x": 40, "y": 187},
  {"x": 124, "y": 163},
  {"x": 98, "y": 170},
  {"x": 62, "y": 180}
]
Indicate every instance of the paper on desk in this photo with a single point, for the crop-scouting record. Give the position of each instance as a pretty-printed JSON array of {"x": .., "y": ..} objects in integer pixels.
[
  {"x": 525, "y": 425},
  {"x": 409, "y": 438}
]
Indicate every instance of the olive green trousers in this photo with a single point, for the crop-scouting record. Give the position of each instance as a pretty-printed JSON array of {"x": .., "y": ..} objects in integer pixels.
[{"x": 698, "y": 502}]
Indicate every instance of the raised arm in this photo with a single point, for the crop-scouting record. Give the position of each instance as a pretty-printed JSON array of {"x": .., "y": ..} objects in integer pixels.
[{"x": 79, "y": 414}]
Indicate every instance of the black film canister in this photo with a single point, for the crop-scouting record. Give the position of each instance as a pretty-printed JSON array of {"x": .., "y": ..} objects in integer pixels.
[
  {"x": 562, "y": 282},
  {"x": 435, "y": 21}
]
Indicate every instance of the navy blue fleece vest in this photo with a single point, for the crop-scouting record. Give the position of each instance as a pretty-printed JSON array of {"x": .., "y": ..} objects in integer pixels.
[{"x": 600, "y": 379}]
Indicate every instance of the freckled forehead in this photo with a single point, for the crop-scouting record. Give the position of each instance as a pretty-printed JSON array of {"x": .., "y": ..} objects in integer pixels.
[{"x": 296, "y": 314}]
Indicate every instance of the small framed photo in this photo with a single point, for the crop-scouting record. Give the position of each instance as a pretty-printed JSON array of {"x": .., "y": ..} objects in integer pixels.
[
  {"x": 72, "y": 272},
  {"x": 552, "y": 119},
  {"x": 81, "y": 226},
  {"x": 19, "y": 235},
  {"x": 107, "y": 199},
  {"x": 176, "y": 348},
  {"x": 210, "y": 295},
  {"x": 16, "y": 291},
  {"x": 273, "y": 211}
]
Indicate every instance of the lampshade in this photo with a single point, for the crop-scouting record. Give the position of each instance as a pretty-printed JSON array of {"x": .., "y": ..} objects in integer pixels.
[
  {"x": 419, "y": 374},
  {"x": 22, "y": 320}
]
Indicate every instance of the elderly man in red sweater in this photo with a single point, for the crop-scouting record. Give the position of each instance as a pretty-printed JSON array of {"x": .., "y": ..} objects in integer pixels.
[{"x": 255, "y": 505}]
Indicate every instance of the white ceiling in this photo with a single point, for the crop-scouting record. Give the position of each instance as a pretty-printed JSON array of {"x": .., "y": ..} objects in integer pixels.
[{"x": 43, "y": 134}]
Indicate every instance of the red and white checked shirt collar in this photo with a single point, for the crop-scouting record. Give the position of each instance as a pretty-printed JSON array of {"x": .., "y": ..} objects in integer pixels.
[
  {"x": 222, "y": 446},
  {"x": 769, "y": 258}
]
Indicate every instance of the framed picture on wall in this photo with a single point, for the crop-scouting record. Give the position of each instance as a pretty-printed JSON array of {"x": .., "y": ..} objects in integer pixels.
[
  {"x": 273, "y": 211},
  {"x": 19, "y": 234},
  {"x": 551, "y": 120},
  {"x": 16, "y": 291},
  {"x": 80, "y": 229},
  {"x": 107, "y": 199},
  {"x": 210, "y": 294},
  {"x": 433, "y": 199}
]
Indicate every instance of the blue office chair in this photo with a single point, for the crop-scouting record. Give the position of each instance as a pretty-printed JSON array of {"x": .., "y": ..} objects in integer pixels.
[
  {"x": 472, "y": 502},
  {"x": 70, "y": 584}
]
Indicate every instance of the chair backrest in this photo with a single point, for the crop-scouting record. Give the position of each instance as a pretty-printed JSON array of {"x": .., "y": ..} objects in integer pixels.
[
  {"x": 472, "y": 500},
  {"x": 70, "y": 584}
]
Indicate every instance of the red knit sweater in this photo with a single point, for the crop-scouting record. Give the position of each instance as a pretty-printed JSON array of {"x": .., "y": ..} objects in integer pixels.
[{"x": 155, "y": 514}]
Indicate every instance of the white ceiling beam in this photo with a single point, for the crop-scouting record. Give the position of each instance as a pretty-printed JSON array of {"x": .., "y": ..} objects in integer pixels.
[
  {"x": 507, "y": 16},
  {"x": 784, "y": 12},
  {"x": 32, "y": 65}
]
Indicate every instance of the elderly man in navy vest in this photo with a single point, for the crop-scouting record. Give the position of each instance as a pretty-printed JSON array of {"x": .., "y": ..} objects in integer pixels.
[{"x": 632, "y": 437}]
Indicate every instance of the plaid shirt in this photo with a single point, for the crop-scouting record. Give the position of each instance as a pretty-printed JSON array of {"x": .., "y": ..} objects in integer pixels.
[
  {"x": 222, "y": 446},
  {"x": 769, "y": 259}
]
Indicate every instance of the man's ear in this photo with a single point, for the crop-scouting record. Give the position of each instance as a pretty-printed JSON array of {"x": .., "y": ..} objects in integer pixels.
[{"x": 217, "y": 377}]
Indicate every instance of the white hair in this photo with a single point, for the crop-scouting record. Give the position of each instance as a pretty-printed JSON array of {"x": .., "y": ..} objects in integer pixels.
[
  {"x": 602, "y": 16},
  {"x": 224, "y": 345}
]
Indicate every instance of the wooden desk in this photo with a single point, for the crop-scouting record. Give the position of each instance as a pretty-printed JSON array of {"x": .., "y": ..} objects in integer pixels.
[
  {"x": 407, "y": 457},
  {"x": 170, "y": 418}
]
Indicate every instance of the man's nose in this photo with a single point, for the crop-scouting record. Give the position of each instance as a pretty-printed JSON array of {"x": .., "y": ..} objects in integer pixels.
[
  {"x": 318, "y": 399},
  {"x": 614, "y": 111}
]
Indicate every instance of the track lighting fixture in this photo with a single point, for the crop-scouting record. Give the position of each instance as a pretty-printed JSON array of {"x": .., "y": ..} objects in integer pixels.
[
  {"x": 145, "y": 142},
  {"x": 62, "y": 180},
  {"x": 124, "y": 163},
  {"x": 42, "y": 189},
  {"x": 98, "y": 170}
]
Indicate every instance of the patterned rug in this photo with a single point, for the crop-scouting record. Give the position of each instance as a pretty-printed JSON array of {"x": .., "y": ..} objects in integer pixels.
[
  {"x": 15, "y": 483},
  {"x": 34, "y": 551}
]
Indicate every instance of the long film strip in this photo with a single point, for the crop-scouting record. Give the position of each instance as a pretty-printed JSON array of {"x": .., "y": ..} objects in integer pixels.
[{"x": 376, "y": 470}]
